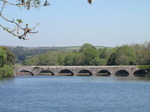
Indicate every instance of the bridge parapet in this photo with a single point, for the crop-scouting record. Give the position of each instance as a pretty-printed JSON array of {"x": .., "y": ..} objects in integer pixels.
[{"x": 75, "y": 70}]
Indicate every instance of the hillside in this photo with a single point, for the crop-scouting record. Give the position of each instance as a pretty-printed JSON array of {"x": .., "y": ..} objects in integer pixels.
[{"x": 23, "y": 53}]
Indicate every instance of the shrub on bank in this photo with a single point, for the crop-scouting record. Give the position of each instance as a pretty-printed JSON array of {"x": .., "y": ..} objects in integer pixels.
[
  {"x": 6, "y": 71},
  {"x": 144, "y": 67}
]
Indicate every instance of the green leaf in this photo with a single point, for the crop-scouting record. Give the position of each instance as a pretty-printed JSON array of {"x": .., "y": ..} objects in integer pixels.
[
  {"x": 19, "y": 21},
  {"x": 7, "y": 28}
]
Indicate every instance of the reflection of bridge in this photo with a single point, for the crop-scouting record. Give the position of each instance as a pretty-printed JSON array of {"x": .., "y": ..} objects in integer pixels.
[{"x": 82, "y": 70}]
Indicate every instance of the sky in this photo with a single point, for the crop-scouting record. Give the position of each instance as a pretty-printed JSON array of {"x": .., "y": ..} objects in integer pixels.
[{"x": 107, "y": 23}]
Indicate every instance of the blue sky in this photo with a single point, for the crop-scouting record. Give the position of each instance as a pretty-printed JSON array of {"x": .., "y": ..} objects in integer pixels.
[{"x": 74, "y": 22}]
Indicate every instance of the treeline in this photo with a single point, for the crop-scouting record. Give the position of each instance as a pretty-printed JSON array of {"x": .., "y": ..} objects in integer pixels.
[
  {"x": 135, "y": 54},
  {"x": 23, "y": 53},
  {"x": 7, "y": 60}
]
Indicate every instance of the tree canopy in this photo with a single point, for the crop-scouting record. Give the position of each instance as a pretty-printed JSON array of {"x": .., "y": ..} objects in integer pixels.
[
  {"x": 124, "y": 55},
  {"x": 89, "y": 55},
  {"x": 7, "y": 59},
  {"x": 3, "y": 57}
]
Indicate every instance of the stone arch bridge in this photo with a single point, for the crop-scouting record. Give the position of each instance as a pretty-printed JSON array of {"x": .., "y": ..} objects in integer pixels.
[{"x": 82, "y": 70}]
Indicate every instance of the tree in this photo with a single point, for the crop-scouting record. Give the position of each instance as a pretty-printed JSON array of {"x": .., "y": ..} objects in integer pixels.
[
  {"x": 7, "y": 59},
  {"x": 61, "y": 59},
  {"x": 3, "y": 57},
  {"x": 91, "y": 57},
  {"x": 124, "y": 55},
  {"x": 69, "y": 59},
  {"x": 18, "y": 30},
  {"x": 74, "y": 58},
  {"x": 10, "y": 56},
  {"x": 105, "y": 52},
  {"x": 148, "y": 46},
  {"x": 142, "y": 52},
  {"x": 84, "y": 47},
  {"x": 90, "y": 54}
]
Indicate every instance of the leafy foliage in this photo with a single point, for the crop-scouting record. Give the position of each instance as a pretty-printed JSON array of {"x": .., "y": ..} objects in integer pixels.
[
  {"x": 86, "y": 46},
  {"x": 23, "y": 53},
  {"x": 89, "y": 55},
  {"x": 3, "y": 57},
  {"x": 10, "y": 56},
  {"x": 7, "y": 59},
  {"x": 144, "y": 67},
  {"x": 18, "y": 29},
  {"x": 6, "y": 71},
  {"x": 124, "y": 55}
]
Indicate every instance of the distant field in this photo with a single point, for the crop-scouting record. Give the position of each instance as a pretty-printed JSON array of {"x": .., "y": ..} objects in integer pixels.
[
  {"x": 72, "y": 48},
  {"x": 77, "y": 48}
]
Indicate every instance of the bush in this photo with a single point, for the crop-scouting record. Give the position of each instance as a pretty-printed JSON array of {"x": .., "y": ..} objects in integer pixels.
[
  {"x": 6, "y": 71},
  {"x": 144, "y": 67},
  {"x": 3, "y": 57}
]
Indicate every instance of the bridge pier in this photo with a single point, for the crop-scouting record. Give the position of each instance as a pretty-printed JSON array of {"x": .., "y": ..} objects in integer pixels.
[
  {"x": 36, "y": 72},
  {"x": 148, "y": 73}
]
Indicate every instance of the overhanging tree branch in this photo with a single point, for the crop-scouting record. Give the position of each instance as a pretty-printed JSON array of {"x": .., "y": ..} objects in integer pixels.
[{"x": 18, "y": 29}]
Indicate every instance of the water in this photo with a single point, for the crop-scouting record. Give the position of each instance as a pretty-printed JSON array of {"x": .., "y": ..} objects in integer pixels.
[{"x": 74, "y": 94}]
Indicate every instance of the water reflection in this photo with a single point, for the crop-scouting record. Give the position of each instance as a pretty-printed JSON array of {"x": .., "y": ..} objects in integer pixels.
[
  {"x": 99, "y": 78},
  {"x": 6, "y": 80}
]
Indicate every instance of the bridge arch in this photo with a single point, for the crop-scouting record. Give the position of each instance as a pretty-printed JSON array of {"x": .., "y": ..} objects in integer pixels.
[
  {"x": 140, "y": 73},
  {"x": 122, "y": 73},
  {"x": 103, "y": 73},
  {"x": 84, "y": 72},
  {"x": 65, "y": 72},
  {"x": 46, "y": 72},
  {"x": 25, "y": 72},
  {"x": 80, "y": 70}
]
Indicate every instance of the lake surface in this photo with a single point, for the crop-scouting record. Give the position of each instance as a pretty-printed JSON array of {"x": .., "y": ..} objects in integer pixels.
[{"x": 74, "y": 94}]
